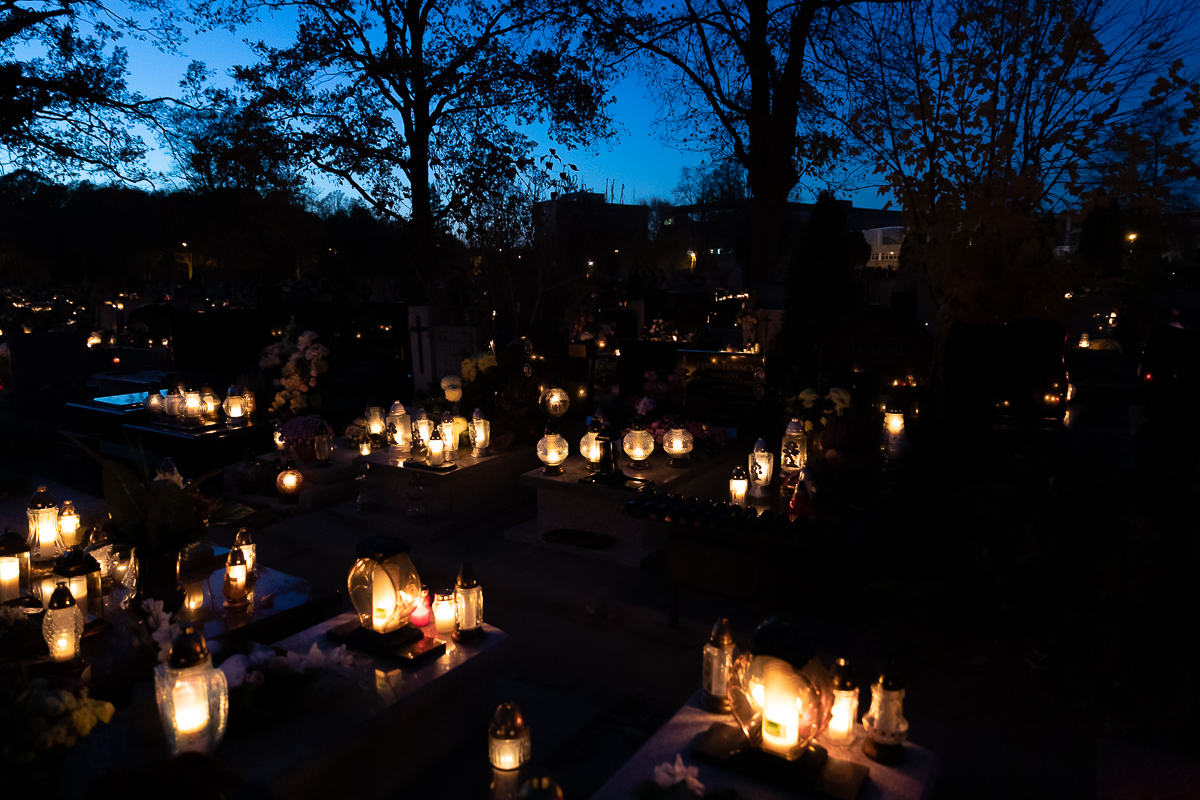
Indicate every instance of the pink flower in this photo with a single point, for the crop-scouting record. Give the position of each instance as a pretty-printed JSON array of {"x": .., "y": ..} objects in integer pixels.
[{"x": 645, "y": 406}]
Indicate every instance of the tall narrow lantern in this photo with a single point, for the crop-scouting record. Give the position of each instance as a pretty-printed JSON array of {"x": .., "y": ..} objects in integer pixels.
[
  {"x": 738, "y": 485},
  {"x": 449, "y": 437},
  {"x": 399, "y": 427},
  {"x": 677, "y": 444},
  {"x": 236, "y": 586},
  {"x": 589, "y": 447},
  {"x": 63, "y": 624},
  {"x": 845, "y": 705},
  {"x": 638, "y": 444},
  {"x": 68, "y": 524},
  {"x": 894, "y": 439},
  {"x": 383, "y": 584},
  {"x": 436, "y": 447},
  {"x": 718, "y": 668},
  {"x": 243, "y": 541},
  {"x": 251, "y": 403},
  {"x": 555, "y": 401},
  {"x": 44, "y": 540},
  {"x": 762, "y": 462},
  {"x": 323, "y": 446},
  {"x": 508, "y": 738},
  {"x": 794, "y": 453},
  {"x": 552, "y": 449},
  {"x": 481, "y": 434},
  {"x": 443, "y": 613},
  {"x": 884, "y": 723},
  {"x": 468, "y": 606},
  {"x": 289, "y": 482},
  {"x": 422, "y": 429},
  {"x": 193, "y": 696}
]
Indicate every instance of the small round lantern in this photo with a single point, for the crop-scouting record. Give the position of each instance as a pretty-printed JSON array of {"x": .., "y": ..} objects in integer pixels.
[
  {"x": 468, "y": 606},
  {"x": 677, "y": 444},
  {"x": 717, "y": 668},
  {"x": 193, "y": 696},
  {"x": 243, "y": 541},
  {"x": 509, "y": 745},
  {"x": 762, "y": 462},
  {"x": 154, "y": 402},
  {"x": 794, "y": 452},
  {"x": 235, "y": 407},
  {"x": 555, "y": 401},
  {"x": 738, "y": 486},
  {"x": 44, "y": 540},
  {"x": 443, "y": 613},
  {"x": 383, "y": 584},
  {"x": 81, "y": 573},
  {"x": 68, "y": 524},
  {"x": 14, "y": 546},
  {"x": 236, "y": 586},
  {"x": 63, "y": 624},
  {"x": 845, "y": 705},
  {"x": 552, "y": 449},
  {"x": 481, "y": 434},
  {"x": 364, "y": 447},
  {"x": 173, "y": 403},
  {"x": 638, "y": 444},
  {"x": 449, "y": 437},
  {"x": 289, "y": 482},
  {"x": 437, "y": 449},
  {"x": 193, "y": 406},
  {"x": 884, "y": 723},
  {"x": 589, "y": 447},
  {"x": 780, "y": 694}
]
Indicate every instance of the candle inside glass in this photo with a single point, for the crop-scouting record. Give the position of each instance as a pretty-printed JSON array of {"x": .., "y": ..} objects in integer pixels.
[
  {"x": 383, "y": 599},
  {"x": 781, "y": 707},
  {"x": 841, "y": 724},
  {"x": 364, "y": 448},
  {"x": 190, "y": 698},
  {"x": 10, "y": 578},
  {"x": 237, "y": 576},
  {"x": 443, "y": 614},
  {"x": 737, "y": 492},
  {"x": 289, "y": 480}
]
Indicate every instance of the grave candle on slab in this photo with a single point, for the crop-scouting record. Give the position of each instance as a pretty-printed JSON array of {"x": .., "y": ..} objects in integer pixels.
[
  {"x": 508, "y": 738},
  {"x": 422, "y": 613},
  {"x": 436, "y": 448},
  {"x": 738, "y": 485},
  {"x": 192, "y": 695},
  {"x": 63, "y": 624},
  {"x": 68, "y": 524},
  {"x": 443, "y": 614},
  {"x": 481, "y": 434},
  {"x": 374, "y": 420},
  {"x": 192, "y": 406},
  {"x": 364, "y": 447},
  {"x": 468, "y": 606},
  {"x": 10, "y": 578},
  {"x": 235, "y": 587},
  {"x": 44, "y": 542},
  {"x": 781, "y": 707},
  {"x": 845, "y": 705}
]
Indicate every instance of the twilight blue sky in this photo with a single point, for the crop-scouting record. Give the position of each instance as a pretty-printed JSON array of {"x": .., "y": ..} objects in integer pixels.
[{"x": 636, "y": 162}]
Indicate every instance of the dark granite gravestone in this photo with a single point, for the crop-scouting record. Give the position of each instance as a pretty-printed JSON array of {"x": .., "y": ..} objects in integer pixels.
[
  {"x": 48, "y": 359},
  {"x": 451, "y": 344},
  {"x": 722, "y": 388}
]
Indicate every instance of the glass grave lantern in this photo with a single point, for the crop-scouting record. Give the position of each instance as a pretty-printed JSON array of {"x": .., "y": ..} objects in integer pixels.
[
  {"x": 638, "y": 444},
  {"x": 236, "y": 585},
  {"x": 443, "y": 613},
  {"x": 173, "y": 403},
  {"x": 845, "y": 706},
  {"x": 422, "y": 429},
  {"x": 197, "y": 597},
  {"x": 894, "y": 439},
  {"x": 762, "y": 463},
  {"x": 436, "y": 447},
  {"x": 375, "y": 423},
  {"x": 68, "y": 524},
  {"x": 449, "y": 436},
  {"x": 193, "y": 406},
  {"x": 10, "y": 578},
  {"x": 677, "y": 444},
  {"x": 780, "y": 695},
  {"x": 154, "y": 402},
  {"x": 793, "y": 454},
  {"x": 364, "y": 447},
  {"x": 589, "y": 447},
  {"x": 289, "y": 482},
  {"x": 63, "y": 624},
  {"x": 399, "y": 427},
  {"x": 81, "y": 573},
  {"x": 251, "y": 403},
  {"x": 193, "y": 696},
  {"x": 280, "y": 442},
  {"x": 739, "y": 484},
  {"x": 383, "y": 585},
  {"x": 554, "y": 401},
  {"x": 552, "y": 450},
  {"x": 509, "y": 745},
  {"x": 717, "y": 668},
  {"x": 100, "y": 547},
  {"x": 45, "y": 543},
  {"x": 323, "y": 446},
  {"x": 481, "y": 434},
  {"x": 235, "y": 407},
  {"x": 468, "y": 606},
  {"x": 1083, "y": 341},
  {"x": 884, "y": 723},
  {"x": 244, "y": 542},
  {"x": 210, "y": 404},
  {"x": 14, "y": 545}
]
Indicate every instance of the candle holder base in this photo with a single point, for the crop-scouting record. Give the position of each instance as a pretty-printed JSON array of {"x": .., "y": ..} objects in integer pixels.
[
  {"x": 890, "y": 754},
  {"x": 466, "y": 637},
  {"x": 414, "y": 463},
  {"x": 680, "y": 462},
  {"x": 717, "y": 705},
  {"x": 479, "y": 452},
  {"x": 556, "y": 469},
  {"x": 406, "y": 644}
]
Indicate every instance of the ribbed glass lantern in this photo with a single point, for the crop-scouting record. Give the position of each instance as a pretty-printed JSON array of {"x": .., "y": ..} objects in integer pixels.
[
  {"x": 638, "y": 444},
  {"x": 383, "y": 584},
  {"x": 193, "y": 406},
  {"x": 509, "y": 744},
  {"x": 68, "y": 524},
  {"x": 210, "y": 404},
  {"x": 793, "y": 453},
  {"x": 555, "y": 401},
  {"x": 589, "y": 446},
  {"x": 884, "y": 723},
  {"x": 235, "y": 406},
  {"x": 173, "y": 403},
  {"x": 449, "y": 436},
  {"x": 251, "y": 403},
  {"x": 44, "y": 540},
  {"x": 762, "y": 463},
  {"x": 375, "y": 423},
  {"x": 677, "y": 444},
  {"x": 422, "y": 429},
  {"x": 553, "y": 450},
  {"x": 154, "y": 402},
  {"x": 193, "y": 696},
  {"x": 289, "y": 482},
  {"x": 63, "y": 624},
  {"x": 468, "y": 606},
  {"x": 399, "y": 427},
  {"x": 481, "y": 434}
]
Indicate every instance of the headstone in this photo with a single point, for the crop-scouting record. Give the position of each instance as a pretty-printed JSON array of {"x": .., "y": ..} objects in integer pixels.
[
  {"x": 451, "y": 344},
  {"x": 422, "y": 351},
  {"x": 722, "y": 388}
]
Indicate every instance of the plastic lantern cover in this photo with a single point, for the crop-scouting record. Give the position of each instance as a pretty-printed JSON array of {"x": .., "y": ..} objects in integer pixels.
[
  {"x": 63, "y": 624},
  {"x": 761, "y": 466},
  {"x": 193, "y": 696},
  {"x": 793, "y": 454}
]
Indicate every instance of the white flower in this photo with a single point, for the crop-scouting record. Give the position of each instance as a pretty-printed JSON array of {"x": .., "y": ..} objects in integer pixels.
[
  {"x": 840, "y": 398},
  {"x": 163, "y": 637},
  {"x": 667, "y": 775},
  {"x": 235, "y": 668}
]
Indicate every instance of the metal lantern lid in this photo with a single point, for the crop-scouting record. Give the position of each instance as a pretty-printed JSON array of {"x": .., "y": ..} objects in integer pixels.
[
  {"x": 289, "y": 465},
  {"x": 639, "y": 423},
  {"x": 236, "y": 558},
  {"x": 551, "y": 428},
  {"x": 596, "y": 425},
  {"x": 397, "y": 408},
  {"x": 478, "y": 415},
  {"x": 447, "y": 417},
  {"x": 795, "y": 427},
  {"x": 843, "y": 677},
  {"x": 722, "y": 633},
  {"x": 677, "y": 425},
  {"x": 739, "y": 474},
  {"x": 760, "y": 446},
  {"x": 189, "y": 649},
  {"x": 42, "y": 499},
  {"x": 12, "y": 543},
  {"x": 507, "y": 723},
  {"x": 422, "y": 414},
  {"x": 68, "y": 509},
  {"x": 890, "y": 678},
  {"x": 75, "y": 562},
  {"x": 61, "y": 598},
  {"x": 242, "y": 538},
  {"x": 435, "y": 434},
  {"x": 466, "y": 578},
  {"x": 380, "y": 548},
  {"x": 233, "y": 390}
]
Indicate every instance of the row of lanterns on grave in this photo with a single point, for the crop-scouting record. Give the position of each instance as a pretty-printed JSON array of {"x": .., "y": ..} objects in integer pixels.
[
  {"x": 783, "y": 707},
  {"x": 202, "y": 404},
  {"x": 409, "y": 434}
]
